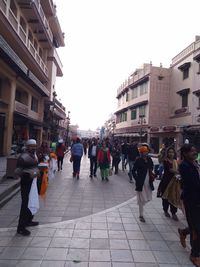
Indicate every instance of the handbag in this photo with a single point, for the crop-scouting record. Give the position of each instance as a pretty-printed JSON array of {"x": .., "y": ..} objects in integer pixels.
[
  {"x": 110, "y": 172},
  {"x": 33, "y": 199},
  {"x": 173, "y": 193}
]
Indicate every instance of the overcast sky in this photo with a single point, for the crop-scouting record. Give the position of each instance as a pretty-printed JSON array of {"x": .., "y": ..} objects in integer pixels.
[{"x": 106, "y": 40}]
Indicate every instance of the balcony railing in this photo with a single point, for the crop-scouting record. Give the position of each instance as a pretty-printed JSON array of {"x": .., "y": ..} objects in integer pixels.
[
  {"x": 43, "y": 18},
  {"x": 21, "y": 108},
  {"x": 23, "y": 35}
]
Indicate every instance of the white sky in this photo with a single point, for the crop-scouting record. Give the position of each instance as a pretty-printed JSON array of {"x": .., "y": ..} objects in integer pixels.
[{"x": 106, "y": 40}]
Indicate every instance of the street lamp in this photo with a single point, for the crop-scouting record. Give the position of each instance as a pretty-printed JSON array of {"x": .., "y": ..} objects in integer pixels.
[
  {"x": 141, "y": 121},
  {"x": 68, "y": 123}
]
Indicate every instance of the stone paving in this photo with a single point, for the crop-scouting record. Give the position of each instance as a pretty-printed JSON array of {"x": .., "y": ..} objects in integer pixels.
[{"x": 113, "y": 237}]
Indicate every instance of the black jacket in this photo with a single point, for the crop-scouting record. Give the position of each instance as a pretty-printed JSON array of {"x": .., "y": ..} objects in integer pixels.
[
  {"x": 140, "y": 171},
  {"x": 190, "y": 183}
]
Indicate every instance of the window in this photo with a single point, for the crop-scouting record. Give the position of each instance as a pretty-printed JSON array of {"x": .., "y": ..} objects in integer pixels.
[
  {"x": 30, "y": 36},
  {"x": 134, "y": 92},
  {"x": 34, "y": 104},
  {"x": 185, "y": 73},
  {"x": 133, "y": 114},
  {"x": 40, "y": 52},
  {"x": 142, "y": 111},
  {"x": 18, "y": 96},
  {"x": 184, "y": 100},
  {"x": 23, "y": 23},
  {"x": 127, "y": 97},
  {"x": 143, "y": 88},
  {"x": 35, "y": 44},
  {"x": 13, "y": 7},
  {"x": 125, "y": 116}
]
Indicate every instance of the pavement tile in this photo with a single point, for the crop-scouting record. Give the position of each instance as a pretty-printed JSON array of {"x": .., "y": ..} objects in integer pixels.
[
  {"x": 99, "y": 255},
  {"x": 52, "y": 264},
  {"x": 56, "y": 254},
  {"x": 99, "y": 234},
  {"x": 99, "y": 243},
  {"x": 79, "y": 243},
  {"x": 60, "y": 242},
  {"x": 121, "y": 255},
  {"x": 29, "y": 263},
  {"x": 8, "y": 263},
  {"x": 100, "y": 264},
  {"x": 12, "y": 253},
  {"x": 78, "y": 255},
  {"x": 81, "y": 233},
  {"x": 34, "y": 253},
  {"x": 139, "y": 245},
  {"x": 64, "y": 233},
  {"x": 143, "y": 256},
  {"x": 117, "y": 234},
  {"x": 119, "y": 244},
  {"x": 158, "y": 245},
  {"x": 165, "y": 257},
  {"x": 76, "y": 264},
  {"x": 136, "y": 235}
]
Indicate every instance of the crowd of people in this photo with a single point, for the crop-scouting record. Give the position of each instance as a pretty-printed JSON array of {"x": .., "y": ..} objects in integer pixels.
[{"x": 179, "y": 185}]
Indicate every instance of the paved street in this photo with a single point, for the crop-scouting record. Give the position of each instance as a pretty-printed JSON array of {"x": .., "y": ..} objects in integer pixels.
[{"x": 93, "y": 224}]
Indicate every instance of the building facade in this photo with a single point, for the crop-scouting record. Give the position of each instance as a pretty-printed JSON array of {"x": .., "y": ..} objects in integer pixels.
[
  {"x": 143, "y": 105},
  {"x": 29, "y": 65},
  {"x": 162, "y": 105},
  {"x": 184, "y": 109}
]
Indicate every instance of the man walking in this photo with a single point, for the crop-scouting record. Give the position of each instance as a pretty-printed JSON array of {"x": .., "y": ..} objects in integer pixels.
[{"x": 92, "y": 155}]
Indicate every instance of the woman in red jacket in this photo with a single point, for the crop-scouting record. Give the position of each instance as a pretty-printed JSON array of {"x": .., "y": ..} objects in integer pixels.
[{"x": 103, "y": 159}]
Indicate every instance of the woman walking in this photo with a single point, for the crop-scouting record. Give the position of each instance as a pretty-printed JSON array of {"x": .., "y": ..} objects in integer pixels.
[
  {"x": 170, "y": 171},
  {"x": 60, "y": 153},
  {"x": 143, "y": 175},
  {"x": 190, "y": 174},
  {"x": 103, "y": 159}
]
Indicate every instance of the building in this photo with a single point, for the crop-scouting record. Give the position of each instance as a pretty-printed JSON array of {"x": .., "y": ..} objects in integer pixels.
[
  {"x": 184, "y": 108},
  {"x": 143, "y": 105},
  {"x": 29, "y": 65}
]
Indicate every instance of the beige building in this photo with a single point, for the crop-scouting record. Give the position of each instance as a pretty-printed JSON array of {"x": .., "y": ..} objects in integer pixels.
[
  {"x": 29, "y": 65},
  {"x": 143, "y": 105},
  {"x": 185, "y": 94}
]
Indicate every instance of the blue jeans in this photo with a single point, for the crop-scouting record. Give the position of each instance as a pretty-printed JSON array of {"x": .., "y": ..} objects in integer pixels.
[
  {"x": 161, "y": 169},
  {"x": 131, "y": 165},
  {"x": 76, "y": 164}
]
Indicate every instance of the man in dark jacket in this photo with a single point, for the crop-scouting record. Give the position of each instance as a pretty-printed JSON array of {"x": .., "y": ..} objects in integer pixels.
[
  {"x": 132, "y": 154},
  {"x": 92, "y": 155},
  {"x": 27, "y": 170}
]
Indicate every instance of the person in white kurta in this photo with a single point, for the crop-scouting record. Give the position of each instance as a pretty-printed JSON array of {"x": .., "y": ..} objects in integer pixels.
[{"x": 142, "y": 173}]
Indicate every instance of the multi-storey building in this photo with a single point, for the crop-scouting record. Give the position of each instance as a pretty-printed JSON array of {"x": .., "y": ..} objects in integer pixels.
[
  {"x": 29, "y": 64},
  {"x": 143, "y": 104},
  {"x": 184, "y": 98}
]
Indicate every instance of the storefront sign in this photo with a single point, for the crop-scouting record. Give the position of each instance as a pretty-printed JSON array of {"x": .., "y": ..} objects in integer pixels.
[
  {"x": 154, "y": 129},
  {"x": 169, "y": 128}
]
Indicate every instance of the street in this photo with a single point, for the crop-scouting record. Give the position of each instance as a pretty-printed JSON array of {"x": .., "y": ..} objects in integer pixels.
[{"x": 92, "y": 223}]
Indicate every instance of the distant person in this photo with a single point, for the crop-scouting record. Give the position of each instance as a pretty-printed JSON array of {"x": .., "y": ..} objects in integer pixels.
[
  {"x": 104, "y": 159},
  {"x": 27, "y": 170},
  {"x": 92, "y": 155},
  {"x": 60, "y": 153},
  {"x": 124, "y": 153},
  {"x": 77, "y": 153},
  {"x": 85, "y": 146},
  {"x": 116, "y": 156},
  {"x": 132, "y": 154},
  {"x": 161, "y": 157}
]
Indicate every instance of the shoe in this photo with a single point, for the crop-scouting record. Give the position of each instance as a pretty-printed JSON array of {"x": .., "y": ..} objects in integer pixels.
[
  {"x": 61, "y": 168},
  {"x": 77, "y": 177},
  {"x": 95, "y": 175},
  {"x": 107, "y": 179},
  {"x": 167, "y": 214},
  {"x": 195, "y": 261},
  {"x": 131, "y": 181},
  {"x": 33, "y": 223},
  {"x": 142, "y": 219},
  {"x": 90, "y": 176},
  {"x": 182, "y": 237},
  {"x": 174, "y": 217},
  {"x": 23, "y": 232},
  {"x": 102, "y": 178},
  {"x": 74, "y": 175}
]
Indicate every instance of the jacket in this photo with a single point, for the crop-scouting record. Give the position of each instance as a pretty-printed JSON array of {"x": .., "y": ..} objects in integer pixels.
[
  {"x": 100, "y": 156},
  {"x": 140, "y": 171},
  {"x": 77, "y": 150},
  {"x": 190, "y": 183}
]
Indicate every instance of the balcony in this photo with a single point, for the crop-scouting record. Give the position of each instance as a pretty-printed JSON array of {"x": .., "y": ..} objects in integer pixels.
[
  {"x": 21, "y": 108},
  {"x": 39, "y": 11},
  {"x": 22, "y": 34}
]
